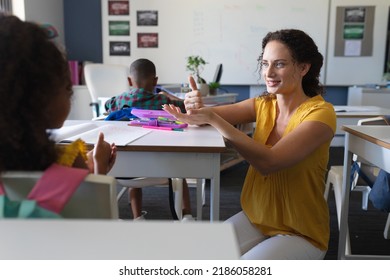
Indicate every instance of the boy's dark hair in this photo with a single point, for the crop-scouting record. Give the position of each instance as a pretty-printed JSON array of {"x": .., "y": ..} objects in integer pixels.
[
  {"x": 32, "y": 70},
  {"x": 142, "y": 69}
]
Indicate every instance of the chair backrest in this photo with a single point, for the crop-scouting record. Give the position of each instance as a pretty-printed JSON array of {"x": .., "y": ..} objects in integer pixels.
[
  {"x": 95, "y": 198},
  {"x": 81, "y": 104},
  {"x": 105, "y": 80},
  {"x": 381, "y": 120}
]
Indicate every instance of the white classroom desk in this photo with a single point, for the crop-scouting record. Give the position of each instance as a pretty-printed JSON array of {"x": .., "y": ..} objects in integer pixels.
[
  {"x": 51, "y": 239},
  {"x": 371, "y": 143},
  {"x": 193, "y": 153},
  {"x": 350, "y": 115}
]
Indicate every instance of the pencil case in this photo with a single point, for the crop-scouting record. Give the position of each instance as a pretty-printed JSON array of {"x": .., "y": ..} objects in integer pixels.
[
  {"x": 151, "y": 114},
  {"x": 158, "y": 122}
]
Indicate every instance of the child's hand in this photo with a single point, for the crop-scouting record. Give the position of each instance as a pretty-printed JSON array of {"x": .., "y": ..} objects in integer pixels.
[
  {"x": 104, "y": 156},
  {"x": 112, "y": 157},
  {"x": 89, "y": 162}
]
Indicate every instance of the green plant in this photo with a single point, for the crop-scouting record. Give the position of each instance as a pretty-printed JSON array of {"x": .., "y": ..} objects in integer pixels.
[
  {"x": 195, "y": 64},
  {"x": 214, "y": 85}
]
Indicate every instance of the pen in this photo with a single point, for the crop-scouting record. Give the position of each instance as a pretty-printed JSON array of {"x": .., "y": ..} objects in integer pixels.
[
  {"x": 162, "y": 128},
  {"x": 163, "y": 119}
]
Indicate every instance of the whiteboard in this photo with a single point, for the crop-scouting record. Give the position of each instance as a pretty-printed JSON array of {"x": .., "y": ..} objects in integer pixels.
[
  {"x": 221, "y": 31},
  {"x": 358, "y": 70}
]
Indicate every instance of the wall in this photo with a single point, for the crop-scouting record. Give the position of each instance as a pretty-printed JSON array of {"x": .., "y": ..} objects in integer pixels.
[
  {"x": 90, "y": 35},
  {"x": 358, "y": 70},
  {"x": 83, "y": 28},
  {"x": 43, "y": 11},
  {"x": 221, "y": 31}
]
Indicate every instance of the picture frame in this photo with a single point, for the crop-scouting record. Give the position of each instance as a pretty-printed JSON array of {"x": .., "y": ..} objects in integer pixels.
[
  {"x": 119, "y": 48},
  {"x": 119, "y": 28},
  {"x": 147, "y": 40},
  {"x": 147, "y": 18},
  {"x": 118, "y": 8},
  {"x": 355, "y": 15}
]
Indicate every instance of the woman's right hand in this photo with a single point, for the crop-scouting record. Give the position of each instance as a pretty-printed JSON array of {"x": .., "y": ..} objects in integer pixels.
[{"x": 193, "y": 99}]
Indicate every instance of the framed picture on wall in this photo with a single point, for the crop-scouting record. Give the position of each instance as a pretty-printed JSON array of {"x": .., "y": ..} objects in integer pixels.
[
  {"x": 147, "y": 40},
  {"x": 147, "y": 18},
  {"x": 116, "y": 8},
  {"x": 355, "y": 14},
  {"x": 119, "y": 28},
  {"x": 353, "y": 31},
  {"x": 121, "y": 48}
]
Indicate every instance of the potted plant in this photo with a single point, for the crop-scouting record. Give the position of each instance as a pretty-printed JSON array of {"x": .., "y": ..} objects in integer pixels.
[
  {"x": 195, "y": 64},
  {"x": 213, "y": 87}
]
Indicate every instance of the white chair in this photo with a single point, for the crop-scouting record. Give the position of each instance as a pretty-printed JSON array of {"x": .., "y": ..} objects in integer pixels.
[
  {"x": 105, "y": 81},
  {"x": 95, "y": 198},
  {"x": 335, "y": 179},
  {"x": 81, "y": 104}
]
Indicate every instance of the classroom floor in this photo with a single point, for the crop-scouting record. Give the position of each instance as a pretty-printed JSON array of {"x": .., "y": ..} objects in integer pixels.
[{"x": 366, "y": 227}]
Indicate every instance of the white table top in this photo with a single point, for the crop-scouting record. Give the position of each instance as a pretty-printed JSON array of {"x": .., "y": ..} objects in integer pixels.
[
  {"x": 192, "y": 139},
  {"x": 377, "y": 134}
]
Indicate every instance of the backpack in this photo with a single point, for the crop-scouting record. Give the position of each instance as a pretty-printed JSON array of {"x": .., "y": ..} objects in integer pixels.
[
  {"x": 380, "y": 188},
  {"x": 380, "y": 192},
  {"x": 48, "y": 196}
]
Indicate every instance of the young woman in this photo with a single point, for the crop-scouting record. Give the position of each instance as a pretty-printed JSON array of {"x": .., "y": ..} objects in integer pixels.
[{"x": 285, "y": 215}]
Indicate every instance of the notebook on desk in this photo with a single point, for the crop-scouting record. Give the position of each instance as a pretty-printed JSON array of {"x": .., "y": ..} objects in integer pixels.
[{"x": 89, "y": 132}]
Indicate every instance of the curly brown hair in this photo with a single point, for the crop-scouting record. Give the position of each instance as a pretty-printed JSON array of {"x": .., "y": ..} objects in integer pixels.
[
  {"x": 303, "y": 50},
  {"x": 32, "y": 69}
]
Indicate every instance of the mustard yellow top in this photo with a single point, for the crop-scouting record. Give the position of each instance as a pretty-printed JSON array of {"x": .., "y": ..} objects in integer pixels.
[
  {"x": 67, "y": 154},
  {"x": 291, "y": 201}
]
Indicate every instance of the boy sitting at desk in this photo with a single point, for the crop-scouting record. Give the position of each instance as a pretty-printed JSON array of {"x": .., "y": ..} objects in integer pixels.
[{"x": 142, "y": 81}]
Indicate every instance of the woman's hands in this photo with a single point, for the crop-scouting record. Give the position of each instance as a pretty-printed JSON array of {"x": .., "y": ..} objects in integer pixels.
[
  {"x": 195, "y": 116},
  {"x": 102, "y": 158}
]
